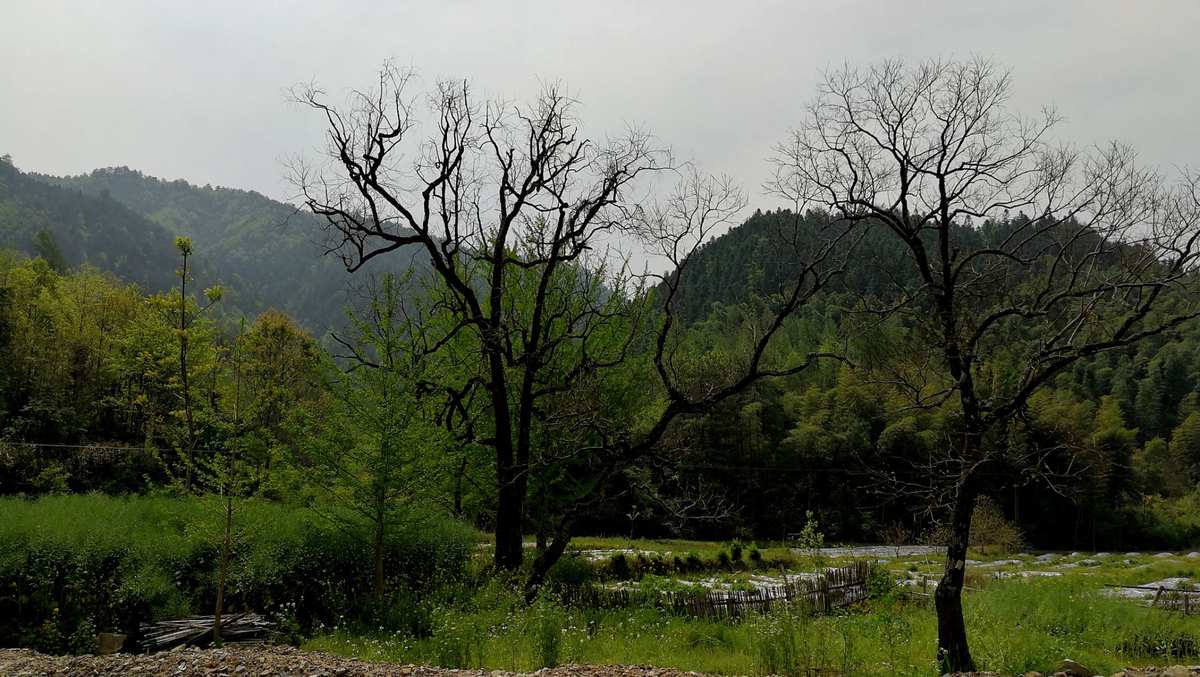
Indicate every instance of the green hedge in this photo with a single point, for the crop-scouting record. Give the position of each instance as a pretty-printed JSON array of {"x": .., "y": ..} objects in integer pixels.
[{"x": 71, "y": 566}]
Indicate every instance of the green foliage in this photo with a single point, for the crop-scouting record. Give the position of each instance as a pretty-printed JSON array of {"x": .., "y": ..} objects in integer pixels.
[
  {"x": 68, "y": 228},
  {"x": 570, "y": 571},
  {"x": 545, "y": 630},
  {"x": 79, "y": 564},
  {"x": 265, "y": 251},
  {"x": 1018, "y": 626},
  {"x": 991, "y": 531}
]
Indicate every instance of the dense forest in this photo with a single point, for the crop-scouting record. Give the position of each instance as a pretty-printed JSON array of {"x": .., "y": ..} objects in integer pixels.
[
  {"x": 266, "y": 253},
  {"x": 90, "y": 359}
]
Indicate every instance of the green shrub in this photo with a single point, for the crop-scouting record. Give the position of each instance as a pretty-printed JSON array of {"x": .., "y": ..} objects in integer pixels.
[
  {"x": 618, "y": 567},
  {"x": 570, "y": 571},
  {"x": 71, "y": 566},
  {"x": 723, "y": 560},
  {"x": 756, "y": 558}
]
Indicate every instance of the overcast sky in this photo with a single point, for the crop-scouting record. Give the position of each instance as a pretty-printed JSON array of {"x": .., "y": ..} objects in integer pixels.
[{"x": 196, "y": 90}]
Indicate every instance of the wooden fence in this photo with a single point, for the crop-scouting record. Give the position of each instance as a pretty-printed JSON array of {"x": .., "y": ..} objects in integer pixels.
[
  {"x": 832, "y": 589},
  {"x": 1171, "y": 599}
]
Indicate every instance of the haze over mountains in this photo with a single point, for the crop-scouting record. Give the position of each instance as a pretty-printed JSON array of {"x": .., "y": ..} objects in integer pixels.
[{"x": 266, "y": 253}]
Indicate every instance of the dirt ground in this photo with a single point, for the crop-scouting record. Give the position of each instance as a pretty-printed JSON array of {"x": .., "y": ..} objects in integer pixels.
[{"x": 260, "y": 661}]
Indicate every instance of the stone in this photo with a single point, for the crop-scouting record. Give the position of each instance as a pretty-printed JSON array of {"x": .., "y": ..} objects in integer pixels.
[
  {"x": 109, "y": 643},
  {"x": 1073, "y": 669}
]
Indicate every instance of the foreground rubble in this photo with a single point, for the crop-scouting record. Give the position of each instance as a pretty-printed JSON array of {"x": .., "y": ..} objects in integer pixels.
[
  {"x": 285, "y": 661},
  {"x": 261, "y": 661},
  {"x": 1076, "y": 670}
]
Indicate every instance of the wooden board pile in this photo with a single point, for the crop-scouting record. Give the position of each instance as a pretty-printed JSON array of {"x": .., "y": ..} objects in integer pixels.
[{"x": 241, "y": 628}]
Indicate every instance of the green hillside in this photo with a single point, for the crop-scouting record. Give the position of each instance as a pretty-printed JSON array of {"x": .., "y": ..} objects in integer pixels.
[
  {"x": 70, "y": 227},
  {"x": 266, "y": 252}
]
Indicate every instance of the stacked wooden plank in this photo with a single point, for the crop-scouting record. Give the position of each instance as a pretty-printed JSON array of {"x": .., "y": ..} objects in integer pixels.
[{"x": 239, "y": 628}]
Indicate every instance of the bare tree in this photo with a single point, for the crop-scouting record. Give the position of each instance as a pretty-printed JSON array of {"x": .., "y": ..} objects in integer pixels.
[
  {"x": 923, "y": 151},
  {"x": 515, "y": 210}
]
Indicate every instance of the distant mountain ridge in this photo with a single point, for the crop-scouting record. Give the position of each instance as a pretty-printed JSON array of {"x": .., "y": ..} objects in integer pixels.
[
  {"x": 81, "y": 227},
  {"x": 266, "y": 253}
]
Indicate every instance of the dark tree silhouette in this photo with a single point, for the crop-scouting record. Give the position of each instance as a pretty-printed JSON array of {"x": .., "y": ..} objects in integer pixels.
[
  {"x": 516, "y": 213},
  {"x": 922, "y": 151}
]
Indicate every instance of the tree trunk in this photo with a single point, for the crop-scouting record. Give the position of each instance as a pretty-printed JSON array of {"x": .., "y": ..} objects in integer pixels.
[
  {"x": 459, "y": 475},
  {"x": 510, "y": 508},
  {"x": 380, "y": 541},
  {"x": 544, "y": 562},
  {"x": 222, "y": 573},
  {"x": 953, "y": 652}
]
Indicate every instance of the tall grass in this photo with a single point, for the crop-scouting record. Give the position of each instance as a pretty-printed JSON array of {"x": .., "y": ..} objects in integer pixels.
[
  {"x": 1014, "y": 626},
  {"x": 74, "y": 565}
]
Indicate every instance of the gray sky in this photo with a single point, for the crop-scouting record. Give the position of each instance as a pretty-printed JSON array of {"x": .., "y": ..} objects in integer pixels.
[{"x": 196, "y": 90}]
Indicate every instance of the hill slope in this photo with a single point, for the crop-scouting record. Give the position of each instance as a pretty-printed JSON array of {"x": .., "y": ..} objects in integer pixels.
[
  {"x": 266, "y": 252},
  {"x": 61, "y": 222}
]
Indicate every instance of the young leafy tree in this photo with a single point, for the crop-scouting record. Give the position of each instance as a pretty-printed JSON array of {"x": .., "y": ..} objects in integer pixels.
[
  {"x": 281, "y": 371},
  {"x": 186, "y": 317},
  {"x": 227, "y": 472},
  {"x": 932, "y": 156},
  {"x": 370, "y": 445}
]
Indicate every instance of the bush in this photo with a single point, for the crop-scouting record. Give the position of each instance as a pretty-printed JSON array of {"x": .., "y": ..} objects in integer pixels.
[
  {"x": 570, "y": 571},
  {"x": 735, "y": 551},
  {"x": 723, "y": 560},
  {"x": 1167, "y": 522},
  {"x": 36, "y": 470},
  {"x": 71, "y": 566},
  {"x": 756, "y": 558},
  {"x": 990, "y": 530},
  {"x": 618, "y": 567}
]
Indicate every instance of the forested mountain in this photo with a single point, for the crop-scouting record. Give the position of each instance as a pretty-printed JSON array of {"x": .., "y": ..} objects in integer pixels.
[
  {"x": 1132, "y": 415},
  {"x": 68, "y": 227},
  {"x": 265, "y": 253}
]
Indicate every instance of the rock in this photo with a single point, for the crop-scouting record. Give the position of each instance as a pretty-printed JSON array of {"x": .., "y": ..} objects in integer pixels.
[
  {"x": 1073, "y": 669},
  {"x": 109, "y": 643},
  {"x": 264, "y": 660}
]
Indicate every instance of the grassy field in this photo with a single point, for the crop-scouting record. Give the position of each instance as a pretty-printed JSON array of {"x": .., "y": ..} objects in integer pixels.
[
  {"x": 1019, "y": 621},
  {"x": 63, "y": 579}
]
